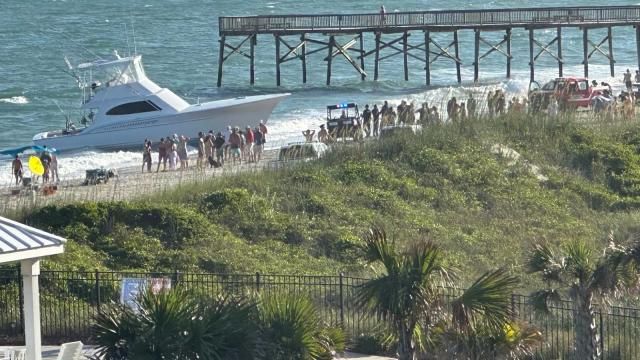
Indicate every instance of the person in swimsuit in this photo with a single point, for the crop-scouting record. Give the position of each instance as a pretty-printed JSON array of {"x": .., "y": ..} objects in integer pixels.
[
  {"x": 16, "y": 166},
  {"x": 308, "y": 135},
  {"x": 182, "y": 152},
  {"x": 162, "y": 155},
  {"x": 146, "y": 155}
]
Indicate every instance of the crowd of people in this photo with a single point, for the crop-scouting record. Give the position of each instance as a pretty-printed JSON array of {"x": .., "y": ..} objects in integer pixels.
[
  {"x": 49, "y": 162},
  {"x": 214, "y": 148}
]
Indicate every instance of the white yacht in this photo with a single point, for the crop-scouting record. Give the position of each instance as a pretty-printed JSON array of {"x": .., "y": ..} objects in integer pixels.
[{"x": 122, "y": 107}]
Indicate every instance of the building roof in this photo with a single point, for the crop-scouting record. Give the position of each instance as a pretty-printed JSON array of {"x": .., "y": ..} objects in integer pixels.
[{"x": 20, "y": 242}]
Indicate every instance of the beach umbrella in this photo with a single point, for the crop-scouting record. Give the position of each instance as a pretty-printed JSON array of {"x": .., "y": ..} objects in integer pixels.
[{"x": 35, "y": 165}]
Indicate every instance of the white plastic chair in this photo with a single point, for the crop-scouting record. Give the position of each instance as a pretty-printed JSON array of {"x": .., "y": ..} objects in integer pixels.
[
  {"x": 12, "y": 354},
  {"x": 18, "y": 354},
  {"x": 70, "y": 351}
]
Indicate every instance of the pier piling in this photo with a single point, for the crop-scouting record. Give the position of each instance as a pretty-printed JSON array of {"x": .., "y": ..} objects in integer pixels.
[{"x": 392, "y": 35}]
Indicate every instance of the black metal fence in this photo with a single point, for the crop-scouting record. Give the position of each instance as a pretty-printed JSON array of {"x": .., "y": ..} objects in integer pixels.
[
  {"x": 70, "y": 300},
  {"x": 565, "y": 16}
]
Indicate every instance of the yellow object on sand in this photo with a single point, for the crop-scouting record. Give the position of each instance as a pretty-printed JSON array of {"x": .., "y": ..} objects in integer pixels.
[{"x": 35, "y": 165}]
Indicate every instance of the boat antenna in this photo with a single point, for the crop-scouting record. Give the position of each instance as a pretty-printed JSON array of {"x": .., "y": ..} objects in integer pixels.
[
  {"x": 71, "y": 71},
  {"x": 66, "y": 116},
  {"x": 133, "y": 32},
  {"x": 126, "y": 34},
  {"x": 78, "y": 44}
]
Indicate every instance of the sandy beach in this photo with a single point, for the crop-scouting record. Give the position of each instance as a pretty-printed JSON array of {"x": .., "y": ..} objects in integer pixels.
[{"x": 129, "y": 184}]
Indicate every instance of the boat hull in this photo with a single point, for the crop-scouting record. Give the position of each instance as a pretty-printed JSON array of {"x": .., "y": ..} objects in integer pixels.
[{"x": 132, "y": 133}]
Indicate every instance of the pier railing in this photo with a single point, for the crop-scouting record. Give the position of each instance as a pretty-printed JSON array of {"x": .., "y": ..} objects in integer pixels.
[{"x": 520, "y": 17}]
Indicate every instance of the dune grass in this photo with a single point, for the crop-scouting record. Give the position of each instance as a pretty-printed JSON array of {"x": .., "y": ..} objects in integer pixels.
[{"x": 447, "y": 184}]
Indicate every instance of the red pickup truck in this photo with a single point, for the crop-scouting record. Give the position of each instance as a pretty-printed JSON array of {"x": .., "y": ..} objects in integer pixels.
[{"x": 570, "y": 92}]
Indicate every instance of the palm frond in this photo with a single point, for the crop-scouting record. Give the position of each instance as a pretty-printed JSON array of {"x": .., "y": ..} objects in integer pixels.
[
  {"x": 579, "y": 260},
  {"x": 290, "y": 324},
  {"x": 426, "y": 258},
  {"x": 114, "y": 331},
  {"x": 540, "y": 300},
  {"x": 544, "y": 261},
  {"x": 487, "y": 300},
  {"x": 377, "y": 247}
]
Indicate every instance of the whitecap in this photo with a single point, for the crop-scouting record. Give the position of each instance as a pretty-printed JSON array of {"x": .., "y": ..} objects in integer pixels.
[{"x": 15, "y": 100}]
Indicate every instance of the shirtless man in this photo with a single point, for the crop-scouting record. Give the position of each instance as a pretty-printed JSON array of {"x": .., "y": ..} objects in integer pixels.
[
  {"x": 323, "y": 135},
  {"x": 16, "y": 166},
  {"x": 308, "y": 135},
  {"x": 235, "y": 141},
  {"x": 162, "y": 155},
  {"x": 54, "y": 168}
]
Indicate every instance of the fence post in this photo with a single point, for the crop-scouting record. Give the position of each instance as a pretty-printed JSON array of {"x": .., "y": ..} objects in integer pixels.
[
  {"x": 176, "y": 279},
  {"x": 601, "y": 335},
  {"x": 21, "y": 300},
  {"x": 97, "y": 285},
  {"x": 257, "y": 281},
  {"x": 341, "y": 299}
]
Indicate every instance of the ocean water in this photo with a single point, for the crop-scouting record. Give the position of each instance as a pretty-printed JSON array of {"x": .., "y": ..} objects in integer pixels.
[{"x": 178, "y": 42}]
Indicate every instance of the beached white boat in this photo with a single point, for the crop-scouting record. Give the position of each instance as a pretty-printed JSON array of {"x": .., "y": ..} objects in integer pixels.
[{"x": 123, "y": 107}]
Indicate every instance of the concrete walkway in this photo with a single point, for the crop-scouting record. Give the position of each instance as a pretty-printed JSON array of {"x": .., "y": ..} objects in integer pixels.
[{"x": 51, "y": 353}]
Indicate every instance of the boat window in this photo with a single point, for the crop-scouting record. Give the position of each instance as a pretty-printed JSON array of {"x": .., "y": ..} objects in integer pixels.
[{"x": 133, "y": 108}]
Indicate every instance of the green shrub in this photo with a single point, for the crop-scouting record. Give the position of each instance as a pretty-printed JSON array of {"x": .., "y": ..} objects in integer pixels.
[
  {"x": 176, "y": 324},
  {"x": 292, "y": 329}
]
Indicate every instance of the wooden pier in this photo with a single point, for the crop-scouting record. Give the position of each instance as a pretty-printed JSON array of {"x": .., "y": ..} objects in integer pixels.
[{"x": 299, "y": 36}]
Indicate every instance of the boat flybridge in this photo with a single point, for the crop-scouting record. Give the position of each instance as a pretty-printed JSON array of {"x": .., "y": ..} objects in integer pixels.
[{"x": 122, "y": 107}]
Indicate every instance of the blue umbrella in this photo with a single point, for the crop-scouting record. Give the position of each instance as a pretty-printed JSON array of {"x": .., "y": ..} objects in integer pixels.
[{"x": 21, "y": 149}]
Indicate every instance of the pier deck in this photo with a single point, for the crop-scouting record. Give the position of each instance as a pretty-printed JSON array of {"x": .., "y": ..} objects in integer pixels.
[{"x": 328, "y": 26}]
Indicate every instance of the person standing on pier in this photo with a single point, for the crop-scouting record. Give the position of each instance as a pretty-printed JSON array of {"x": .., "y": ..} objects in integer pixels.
[{"x": 383, "y": 15}]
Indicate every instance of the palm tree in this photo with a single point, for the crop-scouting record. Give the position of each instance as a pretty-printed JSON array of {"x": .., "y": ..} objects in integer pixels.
[
  {"x": 578, "y": 271},
  {"x": 292, "y": 329},
  {"x": 176, "y": 324},
  {"x": 408, "y": 293}
]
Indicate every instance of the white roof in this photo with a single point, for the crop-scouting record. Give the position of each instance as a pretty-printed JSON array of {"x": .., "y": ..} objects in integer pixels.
[{"x": 20, "y": 242}]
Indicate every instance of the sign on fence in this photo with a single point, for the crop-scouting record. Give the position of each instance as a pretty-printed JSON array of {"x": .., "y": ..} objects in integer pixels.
[{"x": 132, "y": 287}]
